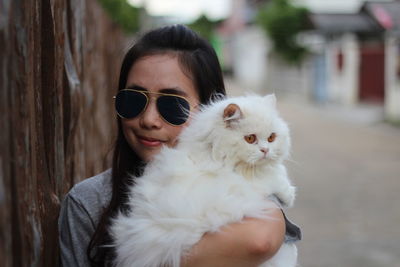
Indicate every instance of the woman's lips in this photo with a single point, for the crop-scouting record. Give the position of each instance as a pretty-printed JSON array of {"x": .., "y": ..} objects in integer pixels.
[{"x": 147, "y": 141}]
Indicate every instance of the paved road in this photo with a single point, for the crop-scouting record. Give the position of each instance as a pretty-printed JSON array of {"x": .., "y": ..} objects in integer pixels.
[{"x": 346, "y": 165}]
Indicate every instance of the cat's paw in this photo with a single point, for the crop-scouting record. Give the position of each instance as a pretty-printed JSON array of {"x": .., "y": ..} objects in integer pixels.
[
  {"x": 288, "y": 196},
  {"x": 292, "y": 195}
]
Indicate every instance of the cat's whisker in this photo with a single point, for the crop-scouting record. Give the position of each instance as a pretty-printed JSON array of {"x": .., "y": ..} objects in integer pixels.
[
  {"x": 216, "y": 97},
  {"x": 191, "y": 115},
  {"x": 293, "y": 161}
]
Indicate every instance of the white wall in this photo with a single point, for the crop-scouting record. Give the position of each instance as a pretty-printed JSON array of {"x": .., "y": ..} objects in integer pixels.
[
  {"x": 290, "y": 80},
  {"x": 392, "y": 82},
  {"x": 343, "y": 85},
  {"x": 249, "y": 60}
]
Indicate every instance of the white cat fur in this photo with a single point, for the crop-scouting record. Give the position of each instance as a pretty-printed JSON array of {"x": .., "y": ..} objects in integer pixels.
[{"x": 213, "y": 177}]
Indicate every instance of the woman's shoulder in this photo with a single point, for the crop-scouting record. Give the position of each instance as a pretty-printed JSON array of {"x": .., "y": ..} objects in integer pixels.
[
  {"x": 93, "y": 191},
  {"x": 79, "y": 215}
]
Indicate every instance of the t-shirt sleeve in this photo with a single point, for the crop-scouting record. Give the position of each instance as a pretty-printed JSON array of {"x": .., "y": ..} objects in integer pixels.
[
  {"x": 293, "y": 232},
  {"x": 75, "y": 230}
]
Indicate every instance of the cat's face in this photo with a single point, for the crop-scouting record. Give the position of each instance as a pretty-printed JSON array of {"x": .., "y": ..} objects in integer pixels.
[
  {"x": 254, "y": 133},
  {"x": 263, "y": 141}
]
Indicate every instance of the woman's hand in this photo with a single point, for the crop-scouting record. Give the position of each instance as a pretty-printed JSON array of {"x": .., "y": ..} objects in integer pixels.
[{"x": 247, "y": 243}]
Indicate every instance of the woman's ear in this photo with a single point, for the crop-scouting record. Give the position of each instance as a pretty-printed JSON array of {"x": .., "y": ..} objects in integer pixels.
[{"x": 232, "y": 114}]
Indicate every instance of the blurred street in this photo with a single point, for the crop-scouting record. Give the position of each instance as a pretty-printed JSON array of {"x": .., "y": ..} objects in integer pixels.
[{"x": 346, "y": 165}]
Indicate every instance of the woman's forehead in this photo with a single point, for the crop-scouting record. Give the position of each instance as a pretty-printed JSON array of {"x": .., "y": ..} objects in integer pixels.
[{"x": 159, "y": 72}]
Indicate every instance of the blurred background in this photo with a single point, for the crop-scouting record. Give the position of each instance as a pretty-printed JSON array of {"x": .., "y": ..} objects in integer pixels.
[{"x": 334, "y": 66}]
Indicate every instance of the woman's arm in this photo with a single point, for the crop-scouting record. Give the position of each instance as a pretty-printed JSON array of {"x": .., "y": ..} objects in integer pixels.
[{"x": 247, "y": 243}]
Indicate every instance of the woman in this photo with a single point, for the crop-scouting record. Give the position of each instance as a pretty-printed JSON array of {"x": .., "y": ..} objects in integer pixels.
[{"x": 165, "y": 65}]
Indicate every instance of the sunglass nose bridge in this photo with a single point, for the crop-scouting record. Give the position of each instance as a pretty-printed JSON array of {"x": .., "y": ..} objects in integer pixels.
[{"x": 152, "y": 96}]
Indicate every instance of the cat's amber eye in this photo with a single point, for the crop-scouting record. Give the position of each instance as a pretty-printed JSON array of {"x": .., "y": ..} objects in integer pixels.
[
  {"x": 272, "y": 137},
  {"x": 251, "y": 138}
]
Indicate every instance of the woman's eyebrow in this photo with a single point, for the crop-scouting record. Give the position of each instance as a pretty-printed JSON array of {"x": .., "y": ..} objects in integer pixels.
[
  {"x": 174, "y": 91},
  {"x": 136, "y": 87}
]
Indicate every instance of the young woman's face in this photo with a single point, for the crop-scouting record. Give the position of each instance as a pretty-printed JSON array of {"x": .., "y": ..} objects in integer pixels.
[{"x": 148, "y": 132}]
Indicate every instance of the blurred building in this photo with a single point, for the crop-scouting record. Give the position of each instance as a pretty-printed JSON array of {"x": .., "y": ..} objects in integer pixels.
[
  {"x": 247, "y": 55},
  {"x": 388, "y": 15},
  {"x": 244, "y": 45},
  {"x": 357, "y": 56}
]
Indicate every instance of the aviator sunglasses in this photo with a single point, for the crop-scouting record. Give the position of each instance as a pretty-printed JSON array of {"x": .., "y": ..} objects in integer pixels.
[{"x": 174, "y": 109}]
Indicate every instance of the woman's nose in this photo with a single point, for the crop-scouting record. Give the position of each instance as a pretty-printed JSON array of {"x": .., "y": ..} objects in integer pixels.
[{"x": 150, "y": 118}]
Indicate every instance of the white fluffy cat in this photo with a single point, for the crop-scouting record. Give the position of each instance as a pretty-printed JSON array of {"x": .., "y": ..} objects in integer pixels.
[{"x": 227, "y": 162}]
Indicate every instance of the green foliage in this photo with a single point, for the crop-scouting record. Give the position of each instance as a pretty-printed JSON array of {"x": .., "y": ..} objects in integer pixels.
[
  {"x": 204, "y": 27},
  {"x": 123, "y": 14},
  {"x": 394, "y": 122},
  {"x": 282, "y": 21}
]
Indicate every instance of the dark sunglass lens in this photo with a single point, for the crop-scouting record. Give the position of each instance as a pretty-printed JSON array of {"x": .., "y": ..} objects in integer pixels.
[
  {"x": 174, "y": 110},
  {"x": 129, "y": 104}
]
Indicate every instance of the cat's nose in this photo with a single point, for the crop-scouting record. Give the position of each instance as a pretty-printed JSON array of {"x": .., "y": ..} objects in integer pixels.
[{"x": 264, "y": 150}]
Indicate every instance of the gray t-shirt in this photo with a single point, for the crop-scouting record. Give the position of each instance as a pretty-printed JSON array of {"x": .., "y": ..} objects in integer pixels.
[
  {"x": 80, "y": 213},
  {"x": 79, "y": 216}
]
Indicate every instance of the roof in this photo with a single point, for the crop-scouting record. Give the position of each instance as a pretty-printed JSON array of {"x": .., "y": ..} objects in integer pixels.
[
  {"x": 386, "y": 14},
  {"x": 331, "y": 23}
]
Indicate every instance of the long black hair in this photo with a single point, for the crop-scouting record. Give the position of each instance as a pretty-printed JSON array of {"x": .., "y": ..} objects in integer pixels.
[{"x": 199, "y": 61}]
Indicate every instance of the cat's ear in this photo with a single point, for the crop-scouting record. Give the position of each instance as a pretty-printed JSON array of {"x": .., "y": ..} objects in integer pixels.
[
  {"x": 271, "y": 100},
  {"x": 232, "y": 114}
]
